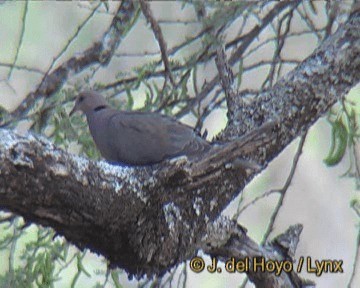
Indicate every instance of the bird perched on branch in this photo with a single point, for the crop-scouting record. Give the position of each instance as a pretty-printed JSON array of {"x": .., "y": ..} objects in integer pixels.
[{"x": 136, "y": 138}]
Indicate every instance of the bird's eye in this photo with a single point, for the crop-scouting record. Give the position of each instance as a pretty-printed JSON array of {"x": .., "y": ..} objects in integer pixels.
[{"x": 81, "y": 98}]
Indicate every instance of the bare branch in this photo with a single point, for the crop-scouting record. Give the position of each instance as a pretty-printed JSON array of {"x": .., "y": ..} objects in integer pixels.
[
  {"x": 159, "y": 37},
  {"x": 23, "y": 20},
  {"x": 71, "y": 40},
  {"x": 356, "y": 261},
  {"x": 226, "y": 239},
  {"x": 284, "y": 189},
  {"x": 226, "y": 76},
  {"x": 22, "y": 67},
  {"x": 246, "y": 41},
  {"x": 101, "y": 52}
]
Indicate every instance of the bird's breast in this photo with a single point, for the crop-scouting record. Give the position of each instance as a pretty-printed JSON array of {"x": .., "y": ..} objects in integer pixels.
[{"x": 100, "y": 133}]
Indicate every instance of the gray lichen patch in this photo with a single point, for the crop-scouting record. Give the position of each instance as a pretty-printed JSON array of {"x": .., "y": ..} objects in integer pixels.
[
  {"x": 81, "y": 164},
  {"x": 8, "y": 139},
  {"x": 213, "y": 204},
  {"x": 218, "y": 231},
  {"x": 197, "y": 205},
  {"x": 172, "y": 214},
  {"x": 59, "y": 170},
  {"x": 118, "y": 177},
  {"x": 16, "y": 151},
  {"x": 24, "y": 150}
]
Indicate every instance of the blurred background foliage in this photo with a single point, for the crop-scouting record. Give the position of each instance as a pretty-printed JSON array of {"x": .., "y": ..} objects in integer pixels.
[{"x": 37, "y": 37}]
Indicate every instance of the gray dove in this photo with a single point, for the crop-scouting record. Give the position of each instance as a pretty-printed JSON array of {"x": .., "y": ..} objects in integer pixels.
[{"x": 136, "y": 138}]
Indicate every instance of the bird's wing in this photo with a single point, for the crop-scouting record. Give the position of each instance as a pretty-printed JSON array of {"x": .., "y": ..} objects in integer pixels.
[{"x": 152, "y": 137}]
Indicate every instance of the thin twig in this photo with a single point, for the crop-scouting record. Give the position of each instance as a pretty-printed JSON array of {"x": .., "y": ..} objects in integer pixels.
[
  {"x": 15, "y": 237},
  {"x": 310, "y": 24},
  {"x": 161, "y": 73},
  {"x": 71, "y": 40},
  {"x": 250, "y": 67},
  {"x": 284, "y": 189},
  {"x": 159, "y": 37},
  {"x": 22, "y": 67},
  {"x": 331, "y": 18},
  {"x": 280, "y": 41},
  {"x": 252, "y": 202},
  {"x": 100, "y": 52},
  {"x": 23, "y": 20},
  {"x": 247, "y": 40},
  {"x": 205, "y": 56},
  {"x": 282, "y": 192},
  {"x": 356, "y": 261},
  {"x": 356, "y": 151},
  {"x": 172, "y": 51}
]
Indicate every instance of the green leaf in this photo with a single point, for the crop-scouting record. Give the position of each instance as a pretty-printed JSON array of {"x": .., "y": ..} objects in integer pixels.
[
  {"x": 80, "y": 265},
  {"x": 240, "y": 73},
  {"x": 115, "y": 278},
  {"x": 3, "y": 113},
  {"x": 130, "y": 102},
  {"x": 339, "y": 139}
]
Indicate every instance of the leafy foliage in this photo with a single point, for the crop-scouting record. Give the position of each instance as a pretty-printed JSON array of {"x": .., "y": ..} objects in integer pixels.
[{"x": 345, "y": 134}]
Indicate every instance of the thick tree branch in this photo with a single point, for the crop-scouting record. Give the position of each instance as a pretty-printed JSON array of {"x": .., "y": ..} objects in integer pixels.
[{"x": 226, "y": 240}]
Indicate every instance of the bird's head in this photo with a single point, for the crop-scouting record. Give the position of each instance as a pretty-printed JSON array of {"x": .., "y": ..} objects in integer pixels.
[{"x": 88, "y": 101}]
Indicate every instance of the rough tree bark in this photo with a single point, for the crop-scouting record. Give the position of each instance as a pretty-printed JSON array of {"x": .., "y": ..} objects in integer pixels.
[{"x": 149, "y": 219}]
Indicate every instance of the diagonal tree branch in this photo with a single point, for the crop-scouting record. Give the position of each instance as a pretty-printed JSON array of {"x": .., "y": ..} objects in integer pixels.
[
  {"x": 159, "y": 37},
  {"x": 226, "y": 76},
  {"x": 100, "y": 52}
]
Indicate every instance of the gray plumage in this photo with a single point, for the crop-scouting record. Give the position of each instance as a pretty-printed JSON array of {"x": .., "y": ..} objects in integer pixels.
[{"x": 136, "y": 138}]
